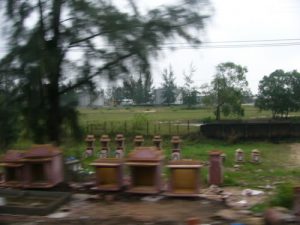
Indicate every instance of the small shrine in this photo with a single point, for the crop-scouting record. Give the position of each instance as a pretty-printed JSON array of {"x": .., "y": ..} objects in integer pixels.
[
  {"x": 255, "y": 156},
  {"x": 239, "y": 156},
  {"x": 120, "y": 146},
  {"x": 104, "y": 151},
  {"x": 138, "y": 140},
  {"x": 13, "y": 169},
  {"x": 43, "y": 167},
  {"x": 145, "y": 166},
  {"x": 157, "y": 142},
  {"x": 90, "y": 142},
  {"x": 176, "y": 148},
  {"x": 184, "y": 178}
]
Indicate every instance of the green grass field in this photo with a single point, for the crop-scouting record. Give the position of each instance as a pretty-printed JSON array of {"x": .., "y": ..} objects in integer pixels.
[
  {"x": 173, "y": 113},
  {"x": 174, "y": 120}
]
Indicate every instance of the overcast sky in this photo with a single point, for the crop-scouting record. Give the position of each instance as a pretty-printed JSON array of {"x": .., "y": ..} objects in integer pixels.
[
  {"x": 238, "y": 20},
  {"x": 243, "y": 20}
]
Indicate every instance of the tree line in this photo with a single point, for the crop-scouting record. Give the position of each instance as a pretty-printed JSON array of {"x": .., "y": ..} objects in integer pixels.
[
  {"x": 140, "y": 90},
  {"x": 39, "y": 79}
]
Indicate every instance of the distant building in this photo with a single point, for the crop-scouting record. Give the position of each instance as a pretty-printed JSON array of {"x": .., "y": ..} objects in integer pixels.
[
  {"x": 88, "y": 100},
  {"x": 158, "y": 96},
  {"x": 159, "y": 100}
]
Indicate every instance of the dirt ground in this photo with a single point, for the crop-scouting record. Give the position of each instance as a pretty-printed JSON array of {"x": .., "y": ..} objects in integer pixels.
[
  {"x": 294, "y": 154},
  {"x": 133, "y": 210}
]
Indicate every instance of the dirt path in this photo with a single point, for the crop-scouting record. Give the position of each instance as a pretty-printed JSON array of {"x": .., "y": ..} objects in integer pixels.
[{"x": 294, "y": 156}]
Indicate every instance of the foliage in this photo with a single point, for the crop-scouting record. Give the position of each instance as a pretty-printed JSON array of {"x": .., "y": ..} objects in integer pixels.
[
  {"x": 139, "y": 90},
  {"x": 9, "y": 121},
  {"x": 139, "y": 122},
  {"x": 44, "y": 34},
  {"x": 114, "y": 95},
  {"x": 168, "y": 86},
  {"x": 227, "y": 90},
  {"x": 9, "y": 114},
  {"x": 189, "y": 92},
  {"x": 279, "y": 92},
  {"x": 259, "y": 208},
  {"x": 284, "y": 196}
]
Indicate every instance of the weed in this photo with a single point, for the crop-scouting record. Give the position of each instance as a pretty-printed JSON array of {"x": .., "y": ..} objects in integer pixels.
[{"x": 284, "y": 196}]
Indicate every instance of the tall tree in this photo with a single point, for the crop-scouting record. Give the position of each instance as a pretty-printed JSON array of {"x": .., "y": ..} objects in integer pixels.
[
  {"x": 279, "y": 92},
  {"x": 112, "y": 42},
  {"x": 168, "y": 86},
  {"x": 227, "y": 90},
  {"x": 9, "y": 114},
  {"x": 139, "y": 89},
  {"x": 189, "y": 91}
]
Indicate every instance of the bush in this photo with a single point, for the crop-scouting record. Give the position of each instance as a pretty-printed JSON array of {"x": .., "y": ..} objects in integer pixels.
[
  {"x": 139, "y": 122},
  {"x": 284, "y": 196}
]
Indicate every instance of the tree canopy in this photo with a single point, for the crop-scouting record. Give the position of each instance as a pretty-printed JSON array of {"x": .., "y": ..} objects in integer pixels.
[
  {"x": 227, "y": 90},
  {"x": 110, "y": 41},
  {"x": 168, "y": 86},
  {"x": 279, "y": 92},
  {"x": 189, "y": 91}
]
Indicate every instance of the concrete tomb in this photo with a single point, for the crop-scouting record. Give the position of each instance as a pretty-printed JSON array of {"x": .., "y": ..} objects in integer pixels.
[
  {"x": 43, "y": 167},
  {"x": 145, "y": 166},
  {"x": 40, "y": 167},
  {"x": 109, "y": 174},
  {"x": 13, "y": 169},
  {"x": 184, "y": 178}
]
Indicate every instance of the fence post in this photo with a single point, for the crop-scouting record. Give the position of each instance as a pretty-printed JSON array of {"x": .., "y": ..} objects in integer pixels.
[{"x": 188, "y": 126}]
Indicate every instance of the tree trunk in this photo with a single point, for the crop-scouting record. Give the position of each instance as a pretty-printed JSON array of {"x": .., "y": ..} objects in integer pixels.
[
  {"x": 218, "y": 113},
  {"x": 54, "y": 117},
  {"x": 54, "y": 114}
]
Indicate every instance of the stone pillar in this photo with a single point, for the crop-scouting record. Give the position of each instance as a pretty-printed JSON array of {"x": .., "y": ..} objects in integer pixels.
[
  {"x": 138, "y": 141},
  {"x": 157, "y": 142},
  {"x": 90, "y": 142},
  {"x": 120, "y": 146},
  {"x": 255, "y": 156},
  {"x": 176, "y": 148},
  {"x": 239, "y": 156},
  {"x": 215, "y": 174},
  {"x": 104, "y": 140}
]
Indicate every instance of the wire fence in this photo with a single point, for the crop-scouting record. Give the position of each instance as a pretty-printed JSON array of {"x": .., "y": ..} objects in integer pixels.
[{"x": 147, "y": 128}]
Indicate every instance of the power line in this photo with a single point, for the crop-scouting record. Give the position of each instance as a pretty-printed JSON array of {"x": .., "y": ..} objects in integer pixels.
[{"x": 206, "y": 45}]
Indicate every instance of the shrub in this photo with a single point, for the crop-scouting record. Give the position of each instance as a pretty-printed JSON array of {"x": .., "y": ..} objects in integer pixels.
[{"x": 284, "y": 196}]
